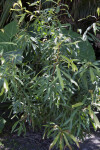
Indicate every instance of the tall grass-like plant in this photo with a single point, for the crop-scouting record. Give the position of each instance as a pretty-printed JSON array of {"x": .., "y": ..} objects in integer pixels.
[{"x": 56, "y": 83}]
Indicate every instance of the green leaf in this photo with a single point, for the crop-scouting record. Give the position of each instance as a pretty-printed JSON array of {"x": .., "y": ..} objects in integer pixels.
[
  {"x": 2, "y": 91},
  {"x": 84, "y": 50},
  {"x": 2, "y": 123},
  {"x": 7, "y": 43},
  {"x": 54, "y": 141},
  {"x": 11, "y": 29},
  {"x": 77, "y": 104},
  {"x": 66, "y": 58},
  {"x": 98, "y": 11},
  {"x": 5, "y": 85},
  {"x": 60, "y": 78},
  {"x": 92, "y": 74},
  {"x": 61, "y": 142},
  {"x": 20, "y": 3},
  {"x": 5, "y": 13},
  {"x": 16, "y": 56},
  {"x": 66, "y": 141},
  {"x": 22, "y": 18},
  {"x": 57, "y": 9},
  {"x": 94, "y": 28},
  {"x": 19, "y": 80},
  {"x": 74, "y": 67},
  {"x": 69, "y": 77},
  {"x": 94, "y": 117},
  {"x": 96, "y": 120},
  {"x": 15, "y": 125},
  {"x": 6, "y": 37},
  {"x": 74, "y": 139}
]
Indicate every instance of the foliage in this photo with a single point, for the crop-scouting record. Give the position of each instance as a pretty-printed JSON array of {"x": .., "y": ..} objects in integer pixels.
[
  {"x": 85, "y": 8},
  {"x": 51, "y": 78},
  {"x": 2, "y": 123},
  {"x": 5, "y": 15}
]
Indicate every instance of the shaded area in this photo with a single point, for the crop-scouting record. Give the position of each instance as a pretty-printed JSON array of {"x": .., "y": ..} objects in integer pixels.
[
  {"x": 91, "y": 143},
  {"x": 34, "y": 141}
]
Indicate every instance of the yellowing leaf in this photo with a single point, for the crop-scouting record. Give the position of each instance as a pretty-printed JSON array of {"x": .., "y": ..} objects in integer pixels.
[
  {"x": 2, "y": 30},
  {"x": 20, "y": 3},
  {"x": 98, "y": 11}
]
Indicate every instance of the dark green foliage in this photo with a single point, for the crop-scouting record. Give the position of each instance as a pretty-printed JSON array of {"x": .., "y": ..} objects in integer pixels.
[
  {"x": 82, "y": 8},
  {"x": 2, "y": 123},
  {"x": 5, "y": 15},
  {"x": 51, "y": 77}
]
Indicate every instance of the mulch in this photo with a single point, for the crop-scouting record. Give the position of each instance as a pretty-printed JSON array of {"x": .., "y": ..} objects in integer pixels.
[{"x": 34, "y": 141}]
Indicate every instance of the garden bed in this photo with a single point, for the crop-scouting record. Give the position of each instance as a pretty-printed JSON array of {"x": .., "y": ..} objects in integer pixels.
[{"x": 34, "y": 141}]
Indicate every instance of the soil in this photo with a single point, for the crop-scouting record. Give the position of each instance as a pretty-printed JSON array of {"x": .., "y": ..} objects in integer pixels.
[{"x": 34, "y": 141}]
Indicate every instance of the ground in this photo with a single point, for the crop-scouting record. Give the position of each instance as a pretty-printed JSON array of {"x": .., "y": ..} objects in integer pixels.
[{"x": 34, "y": 141}]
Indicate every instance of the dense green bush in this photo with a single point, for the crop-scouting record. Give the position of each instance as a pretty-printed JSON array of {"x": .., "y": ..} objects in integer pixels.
[{"x": 50, "y": 76}]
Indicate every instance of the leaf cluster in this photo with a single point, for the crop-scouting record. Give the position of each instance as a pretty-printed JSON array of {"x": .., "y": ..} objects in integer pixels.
[{"x": 50, "y": 76}]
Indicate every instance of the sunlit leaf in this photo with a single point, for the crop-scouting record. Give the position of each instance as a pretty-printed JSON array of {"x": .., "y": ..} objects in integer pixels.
[
  {"x": 6, "y": 85},
  {"x": 77, "y": 104}
]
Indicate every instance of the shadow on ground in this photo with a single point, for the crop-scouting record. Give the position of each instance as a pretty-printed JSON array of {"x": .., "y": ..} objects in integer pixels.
[{"x": 34, "y": 141}]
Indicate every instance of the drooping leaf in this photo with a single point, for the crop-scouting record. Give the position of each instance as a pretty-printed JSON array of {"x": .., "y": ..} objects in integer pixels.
[
  {"x": 66, "y": 141},
  {"x": 54, "y": 141},
  {"x": 92, "y": 74},
  {"x": 60, "y": 78},
  {"x": 6, "y": 87},
  {"x": 2, "y": 123}
]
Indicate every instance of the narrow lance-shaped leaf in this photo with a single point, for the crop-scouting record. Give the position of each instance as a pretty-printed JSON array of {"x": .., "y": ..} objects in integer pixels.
[
  {"x": 96, "y": 120},
  {"x": 19, "y": 80},
  {"x": 22, "y": 18},
  {"x": 61, "y": 142},
  {"x": 69, "y": 77},
  {"x": 2, "y": 91},
  {"x": 60, "y": 78},
  {"x": 8, "y": 43},
  {"x": 74, "y": 67},
  {"x": 15, "y": 125},
  {"x": 94, "y": 117},
  {"x": 66, "y": 141},
  {"x": 77, "y": 104},
  {"x": 5, "y": 85},
  {"x": 98, "y": 11},
  {"x": 74, "y": 139},
  {"x": 92, "y": 74},
  {"x": 2, "y": 123},
  {"x": 54, "y": 141}
]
